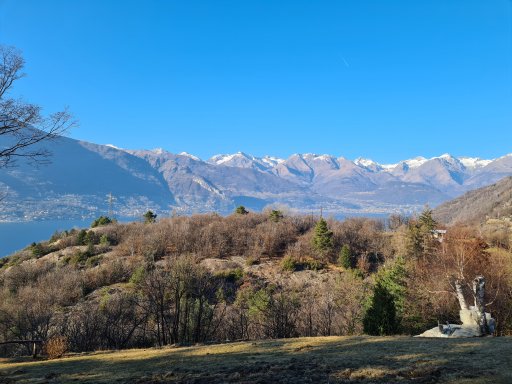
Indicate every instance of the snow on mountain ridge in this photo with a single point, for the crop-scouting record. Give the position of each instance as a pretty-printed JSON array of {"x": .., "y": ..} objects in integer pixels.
[
  {"x": 268, "y": 162},
  {"x": 474, "y": 162},
  {"x": 272, "y": 161},
  {"x": 190, "y": 156},
  {"x": 158, "y": 151},
  {"x": 113, "y": 146},
  {"x": 223, "y": 158}
]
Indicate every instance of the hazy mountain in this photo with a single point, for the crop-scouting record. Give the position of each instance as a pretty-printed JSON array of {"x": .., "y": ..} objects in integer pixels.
[
  {"x": 490, "y": 173},
  {"x": 77, "y": 181},
  {"x": 200, "y": 186},
  {"x": 445, "y": 173},
  {"x": 493, "y": 201},
  {"x": 82, "y": 174}
]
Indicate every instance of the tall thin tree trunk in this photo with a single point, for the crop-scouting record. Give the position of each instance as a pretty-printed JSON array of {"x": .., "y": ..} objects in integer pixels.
[
  {"x": 460, "y": 295},
  {"x": 479, "y": 291}
]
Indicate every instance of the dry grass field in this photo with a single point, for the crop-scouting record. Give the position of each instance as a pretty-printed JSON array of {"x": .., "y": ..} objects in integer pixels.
[{"x": 306, "y": 360}]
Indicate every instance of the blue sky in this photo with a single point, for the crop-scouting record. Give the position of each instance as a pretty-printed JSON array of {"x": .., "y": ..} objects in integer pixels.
[{"x": 386, "y": 80}]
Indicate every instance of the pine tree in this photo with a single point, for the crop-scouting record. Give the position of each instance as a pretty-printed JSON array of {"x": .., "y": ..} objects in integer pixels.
[
  {"x": 380, "y": 318},
  {"x": 240, "y": 210},
  {"x": 275, "y": 215},
  {"x": 102, "y": 220},
  {"x": 426, "y": 220},
  {"x": 81, "y": 237},
  {"x": 420, "y": 241},
  {"x": 393, "y": 277},
  {"x": 322, "y": 240},
  {"x": 384, "y": 313},
  {"x": 149, "y": 217},
  {"x": 345, "y": 258}
]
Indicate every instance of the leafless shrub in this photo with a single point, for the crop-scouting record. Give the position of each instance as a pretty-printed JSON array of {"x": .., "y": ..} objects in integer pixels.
[{"x": 55, "y": 347}]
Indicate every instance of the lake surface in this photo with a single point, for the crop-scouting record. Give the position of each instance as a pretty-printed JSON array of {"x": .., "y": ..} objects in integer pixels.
[{"x": 16, "y": 236}]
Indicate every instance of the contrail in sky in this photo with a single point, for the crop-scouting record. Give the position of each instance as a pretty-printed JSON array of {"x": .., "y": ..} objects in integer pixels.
[{"x": 344, "y": 61}]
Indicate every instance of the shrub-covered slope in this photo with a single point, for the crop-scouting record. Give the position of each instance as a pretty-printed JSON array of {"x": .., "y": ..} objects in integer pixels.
[
  {"x": 207, "y": 278},
  {"x": 479, "y": 205}
]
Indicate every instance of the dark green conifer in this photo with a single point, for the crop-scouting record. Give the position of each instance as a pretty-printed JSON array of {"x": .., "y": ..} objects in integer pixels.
[
  {"x": 322, "y": 240},
  {"x": 240, "y": 210},
  {"x": 149, "y": 217},
  {"x": 345, "y": 259}
]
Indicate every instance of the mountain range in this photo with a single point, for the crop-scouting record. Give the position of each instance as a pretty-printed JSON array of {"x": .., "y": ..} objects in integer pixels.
[{"x": 81, "y": 175}]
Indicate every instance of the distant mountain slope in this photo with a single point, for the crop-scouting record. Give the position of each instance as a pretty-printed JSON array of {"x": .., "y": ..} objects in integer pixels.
[
  {"x": 201, "y": 186},
  {"x": 493, "y": 201},
  {"x": 77, "y": 181},
  {"x": 81, "y": 174}
]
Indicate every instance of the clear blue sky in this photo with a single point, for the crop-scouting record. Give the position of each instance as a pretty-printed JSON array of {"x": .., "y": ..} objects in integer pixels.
[{"x": 381, "y": 79}]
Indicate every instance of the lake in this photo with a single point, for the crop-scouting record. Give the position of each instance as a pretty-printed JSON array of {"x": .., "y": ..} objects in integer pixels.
[{"x": 16, "y": 236}]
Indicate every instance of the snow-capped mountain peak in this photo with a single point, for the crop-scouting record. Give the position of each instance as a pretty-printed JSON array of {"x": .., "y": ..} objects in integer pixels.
[
  {"x": 244, "y": 160},
  {"x": 272, "y": 161},
  {"x": 113, "y": 146},
  {"x": 365, "y": 162},
  {"x": 226, "y": 158},
  {"x": 474, "y": 162},
  {"x": 416, "y": 162},
  {"x": 158, "y": 151},
  {"x": 190, "y": 156}
]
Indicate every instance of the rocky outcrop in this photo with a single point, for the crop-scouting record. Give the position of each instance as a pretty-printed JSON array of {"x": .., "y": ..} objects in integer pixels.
[
  {"x": 470, "y": 326},
  {"x": 475, "y": 322}
]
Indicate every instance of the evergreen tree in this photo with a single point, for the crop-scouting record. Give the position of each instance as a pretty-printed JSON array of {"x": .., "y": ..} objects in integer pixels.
[
  {"x": 90, "y": 251},
  {"x": 149, "y": 217},
  {"x": 102, "y": 220},
  {"x": 240, "y": 210},
  {"x": 380, "y": 318},
  {"x": 345, "y": 258},
  {"x": 420, "y": 240},
  {"x": 275, "y": 215},
  {"x": 37, "y": 249},
  {"x": 90, "y": 238},
  {"x": 394, "y": 278},
  {"x": 415, "y": 240},
  {"x": 322, "y": 240},
  {"x": 81, "y": 237},
  {"x": 426, "y": 220},
  {"x": 104, "y": 240},
  {"x": 384, "y": 313}
]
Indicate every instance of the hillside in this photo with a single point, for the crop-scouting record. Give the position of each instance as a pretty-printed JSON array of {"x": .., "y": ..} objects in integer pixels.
[
  {"x": 209, "y": 278},
  {"x": 306, "y": 360},
  {"x": 477, "y": 206}
]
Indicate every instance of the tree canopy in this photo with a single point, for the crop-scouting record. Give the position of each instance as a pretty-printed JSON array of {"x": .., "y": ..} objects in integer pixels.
[{"x": 22, "y": 124}]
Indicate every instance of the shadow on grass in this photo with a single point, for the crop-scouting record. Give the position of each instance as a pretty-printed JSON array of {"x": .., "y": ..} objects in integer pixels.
[{"x": 305, "y": 360}]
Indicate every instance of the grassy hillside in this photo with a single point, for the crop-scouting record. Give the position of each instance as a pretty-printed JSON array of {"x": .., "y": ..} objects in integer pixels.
[
  {"x": 479, "y": 205},
  {"x": 304, "y": 360}
]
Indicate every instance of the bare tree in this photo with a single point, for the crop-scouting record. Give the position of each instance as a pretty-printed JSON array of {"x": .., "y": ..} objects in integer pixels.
[{"x": 22, "y": 124}]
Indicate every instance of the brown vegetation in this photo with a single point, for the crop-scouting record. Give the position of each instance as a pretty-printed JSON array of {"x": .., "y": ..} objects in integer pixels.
[
  {"x": 208, "y": 278},
  {"x": 479, "y": 205}
]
